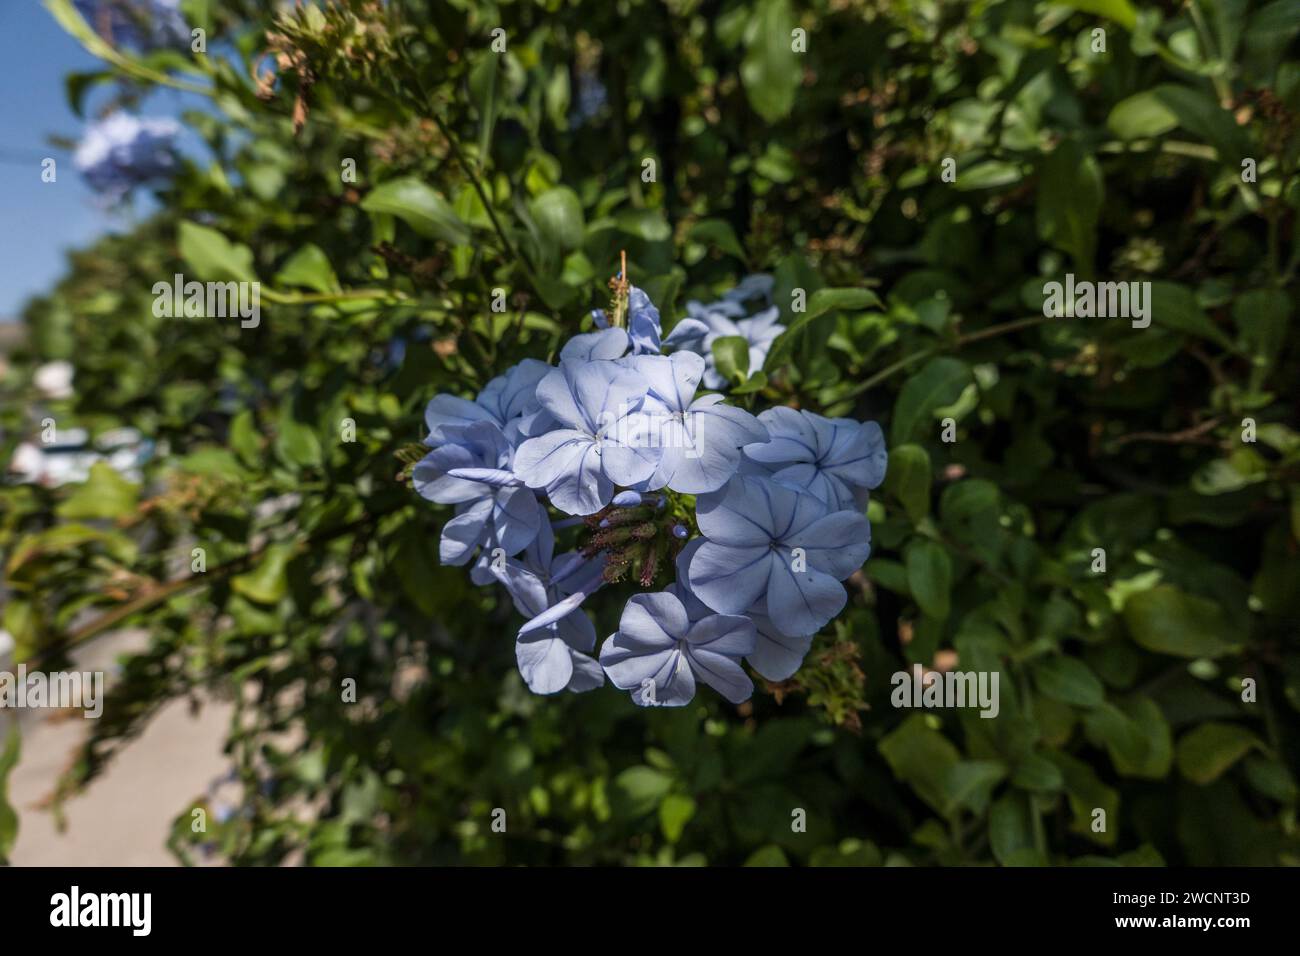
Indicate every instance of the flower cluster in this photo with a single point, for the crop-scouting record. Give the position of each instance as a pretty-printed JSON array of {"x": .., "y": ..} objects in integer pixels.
[
  {"x": 142, "y": 25},
  {"x": 122, "y": 151},
  {"x": 738, "y": 529}
]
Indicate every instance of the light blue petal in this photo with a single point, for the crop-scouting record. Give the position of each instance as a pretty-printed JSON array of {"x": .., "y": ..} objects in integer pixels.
[
  {"x": 730, "y": 579},
  {"x": 517, "y": 517},
  {"x": 584, "y": 489},
  {"x": 445, "y": 410},
  {"x": 545, "y": 662},
  {"x": 544, "y": 459},
  {"x": 465, "y": 532},
  {"x": 587, "y": 673},
  {"x": 837, "y": 544},
  {"x": 723, "y": 674},
  {"x": 802, "y": 602},
  {"x": 595, "y": 346}
]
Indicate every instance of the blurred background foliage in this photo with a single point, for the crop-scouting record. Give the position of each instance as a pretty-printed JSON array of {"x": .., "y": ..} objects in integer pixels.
[{"x": 1101, "y": 138}]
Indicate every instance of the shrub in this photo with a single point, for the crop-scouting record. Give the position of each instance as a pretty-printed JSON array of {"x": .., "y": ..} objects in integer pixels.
[{"x": 1104, "y": 514}]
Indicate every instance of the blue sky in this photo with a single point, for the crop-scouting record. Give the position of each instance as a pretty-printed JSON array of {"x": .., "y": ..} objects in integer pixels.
[{"x": 39, "y": 221}]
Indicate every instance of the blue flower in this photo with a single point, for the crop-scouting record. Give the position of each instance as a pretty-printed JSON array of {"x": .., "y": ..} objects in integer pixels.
[
  {"x": 506, "y": 401},
  {"x": 756, "y": 286},
  {"x": 776, "y": 655},
  {"x": 643, "y": 332},
  {"x": 555, "y": 655},
  {"x": 601, "y": 438},
  {"x": 837, "y": 459},
  {"x": 123, "y": 151},
  {"x": 699, "y": 438},
  {"x": 591, "y": 98},
  {"x": 643, "y": 324},
  {"x": 769, "y": 539},
  {"x": 142, "y": 25},
  {"x": 704, "y": 325},
  {"x": 471, "y": 469},
  {"x": 609, "y": 343},
  {"x": 660, "y": 654}
]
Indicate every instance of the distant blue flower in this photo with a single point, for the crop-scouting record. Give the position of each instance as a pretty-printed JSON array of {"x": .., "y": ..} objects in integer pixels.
[
  {"x": 471, "y": 469},
  {"x": 837, "y": 459},
  {"x": 704, "y": 325},
  {"x": 601, "y": 438},
  {"x": 142, "y": 25},
  {"x": 659, "y": 653},
  {"x": 505, "y": 401},
  {"x": 699, "y": 438},
  {"x": 591, "y": 99},
  {"x": 123, "y": 151},
  {"x": 757, "y": 286},
  {"x": 556, "y": 655},
  {"x": 765, "y": 538}
]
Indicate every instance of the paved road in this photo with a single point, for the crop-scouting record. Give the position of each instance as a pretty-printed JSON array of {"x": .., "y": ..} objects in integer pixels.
[{"x": 125, "y": 816}]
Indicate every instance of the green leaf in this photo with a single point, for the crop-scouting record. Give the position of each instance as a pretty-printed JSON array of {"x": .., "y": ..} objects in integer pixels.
[
  {"x": 266, "y": 583},
  {"x": 921, "y": 757},
  {"x": 245, "y": 440},
  {"x": 648, "y": 224},
  {"x": 940, "y": 382},
  {"x": 717, "y": 233},
  {"x": 1162, "y": 108},
  {"x": 1069, "y": 680},
  {"x": 420, "y": 207},
  {"x": 770, "y": 855},
  {"x": 929, "y": 576},
  {"x": 1137, "y": 737},
  {"x": 1070, "y": 191},
  {"x": 969, "y": 784},
  {"x": 674, "y": 813},
  {"x": 309, "y": 268},
  {"x": 1035, "y": 772},
  {"x": 212, "y": 257},
  {"x": 988, "y": 175},
  {"x": 1175, "y": 307},
  {"x": 1262, "y": 316},
  {"x": 483, "y": 82},
  {"x": 755, "y": 383},
  {"x": 296, "y": 443},
  {"x": 638, "y": 790},
  {"x": 1207, "y": 751},
  {"x": 558, "y": 213},
  {"x": 1168, "y": 621},
  {"x": 908, "y": 479},
  {"x": 1141, "y": 116},
  {"x": 819, "y": 303},
  {"x": 1011, "y": 831},
  {"x": 849, "y": 852},
  {"x": 1121, "y": 11},
  {"x": 104, "y": 494},
  {"x": 8, "y": 816},
  {"x": 731, "y": 355},
  {"x": 771, "y": 71}
]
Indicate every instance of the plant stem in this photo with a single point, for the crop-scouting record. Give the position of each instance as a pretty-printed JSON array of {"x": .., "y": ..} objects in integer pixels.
[{"x": 991, "y": 332}]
